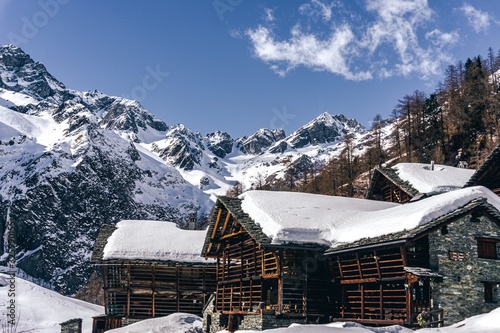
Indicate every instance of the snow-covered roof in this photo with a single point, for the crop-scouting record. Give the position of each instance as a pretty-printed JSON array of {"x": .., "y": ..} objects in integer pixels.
[
  {"x": 154, "y": 240},
  {"x": 424, "y": 179},
  {"x": 302, "y": 218}
]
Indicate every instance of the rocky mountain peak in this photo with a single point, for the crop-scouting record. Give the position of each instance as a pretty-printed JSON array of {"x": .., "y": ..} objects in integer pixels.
[
  {"x": 325, "y": 128},
  {"x": 260, "y": 140},
  {"x": 13, "y": 56},
  {"x": 220, "y": 143},
  {"x": 19, "y": 73}
]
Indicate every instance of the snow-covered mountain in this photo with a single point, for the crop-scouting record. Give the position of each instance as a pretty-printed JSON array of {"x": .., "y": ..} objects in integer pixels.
[{"x": 71, "y": 161}]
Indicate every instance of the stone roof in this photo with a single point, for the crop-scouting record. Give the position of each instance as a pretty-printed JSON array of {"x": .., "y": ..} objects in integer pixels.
[
  {"x": 102, "y": 238},
  {"x": 393, "y": 177},
  {"x": 406, "y": 235}
]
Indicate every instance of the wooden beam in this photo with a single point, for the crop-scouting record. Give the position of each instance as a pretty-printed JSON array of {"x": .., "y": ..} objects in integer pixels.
[
  {"x": 232, "y": 235},
  {"x": 216, "y": 224},
  {"x": 226, "y": 221},
  {"x": 403, "y": 255},
  {"x": 340, "y": 267},
  {"x": 359, "y": 266},
  {"x": 353, "y": 281}
]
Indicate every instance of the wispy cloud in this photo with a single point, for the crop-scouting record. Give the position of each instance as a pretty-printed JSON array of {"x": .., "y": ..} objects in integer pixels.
[
  {"x": 390, "y": 45},
  {"x": 317, "y": 8},
  {"x": 268, "y": 15},
  {"x": 479, "y": 20}
]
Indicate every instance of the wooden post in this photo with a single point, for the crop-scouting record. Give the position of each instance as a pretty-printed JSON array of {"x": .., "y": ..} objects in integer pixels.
[
  {"x": 362, "y": 301},
  {"x": 105, "y": 282},
  {"x": 381, "y": 302},
  {"x": 128, "y": 290},
  {"x": 359, "y": 266},
  {"x": 177, "y": 288},
  {"x": 153, "y": 288}
]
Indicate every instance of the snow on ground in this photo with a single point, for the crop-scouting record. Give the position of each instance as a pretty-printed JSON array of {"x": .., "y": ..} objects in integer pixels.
[
  {"x": 483, "y": 323},
  {"x": 332, "y": 221},
  {"x": 153, "y": 240},
  {"x": 184, "y": 323},
  {"x": 443, "y": 178},
  {"x": 40, "y": 310},
  {"x": 174, "y": 323}
]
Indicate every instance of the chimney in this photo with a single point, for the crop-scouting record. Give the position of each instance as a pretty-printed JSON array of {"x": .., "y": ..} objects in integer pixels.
[
  {"x": 432, "y": 165},
  {"x": 192, "y": 222}
]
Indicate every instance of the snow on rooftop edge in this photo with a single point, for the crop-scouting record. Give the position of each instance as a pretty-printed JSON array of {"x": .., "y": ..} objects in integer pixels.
[
  {"x": 291, "y": 217},
  {"x": 443, "y": 178},
  {"x": 154, "y": 240}
]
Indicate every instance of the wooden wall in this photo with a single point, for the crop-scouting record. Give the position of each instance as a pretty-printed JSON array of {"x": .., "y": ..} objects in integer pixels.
[
  {"x": 149, "y": 290},
  {"x": 373, "y": 286}
]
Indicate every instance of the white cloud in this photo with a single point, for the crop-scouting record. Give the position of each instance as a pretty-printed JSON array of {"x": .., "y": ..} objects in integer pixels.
[
  {"x": 389, "y": 46},
  {"x": 305, "y": 49},
  {"x": 317, "y": 8},
  {"x": 479, "y": 20}
]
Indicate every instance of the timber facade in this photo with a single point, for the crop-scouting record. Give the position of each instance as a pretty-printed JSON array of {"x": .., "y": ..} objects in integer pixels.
[
  {"x": 258, "y": 279},
  {"x": 137, "y": 289}
]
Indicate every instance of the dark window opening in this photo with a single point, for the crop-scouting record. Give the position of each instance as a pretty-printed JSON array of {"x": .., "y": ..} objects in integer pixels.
[
  {"x": 487, "y": 248},
  {"x": 444, "y": 230},
  {"x": 490, "y": 292}
]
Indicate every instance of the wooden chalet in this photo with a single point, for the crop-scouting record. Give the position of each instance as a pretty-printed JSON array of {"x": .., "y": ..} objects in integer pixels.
[
  {"x": 151, "y": 269},
  {"x": 411, "y": 181},
  {"x": 295, "y": 257},
  {"x": 488, "y": 174},
  {"x": 261, "y": 282}
]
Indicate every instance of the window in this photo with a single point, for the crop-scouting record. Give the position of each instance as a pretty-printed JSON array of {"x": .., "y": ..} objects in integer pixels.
[
  {"x": 487, "y": 248},
  {"x": 490, "y": 292}
]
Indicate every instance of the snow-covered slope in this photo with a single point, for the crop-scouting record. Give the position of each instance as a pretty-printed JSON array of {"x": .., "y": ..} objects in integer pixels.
[{"x": 39, "y": 310}]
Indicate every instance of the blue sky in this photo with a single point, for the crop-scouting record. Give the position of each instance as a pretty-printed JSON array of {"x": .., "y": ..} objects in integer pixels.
[{"x": 241, "y": 65}]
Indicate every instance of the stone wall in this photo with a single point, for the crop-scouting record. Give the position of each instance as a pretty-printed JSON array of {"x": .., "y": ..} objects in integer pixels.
[
  {"x": 72, "y": 326},
  {"x": 461, "y": 294}
]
